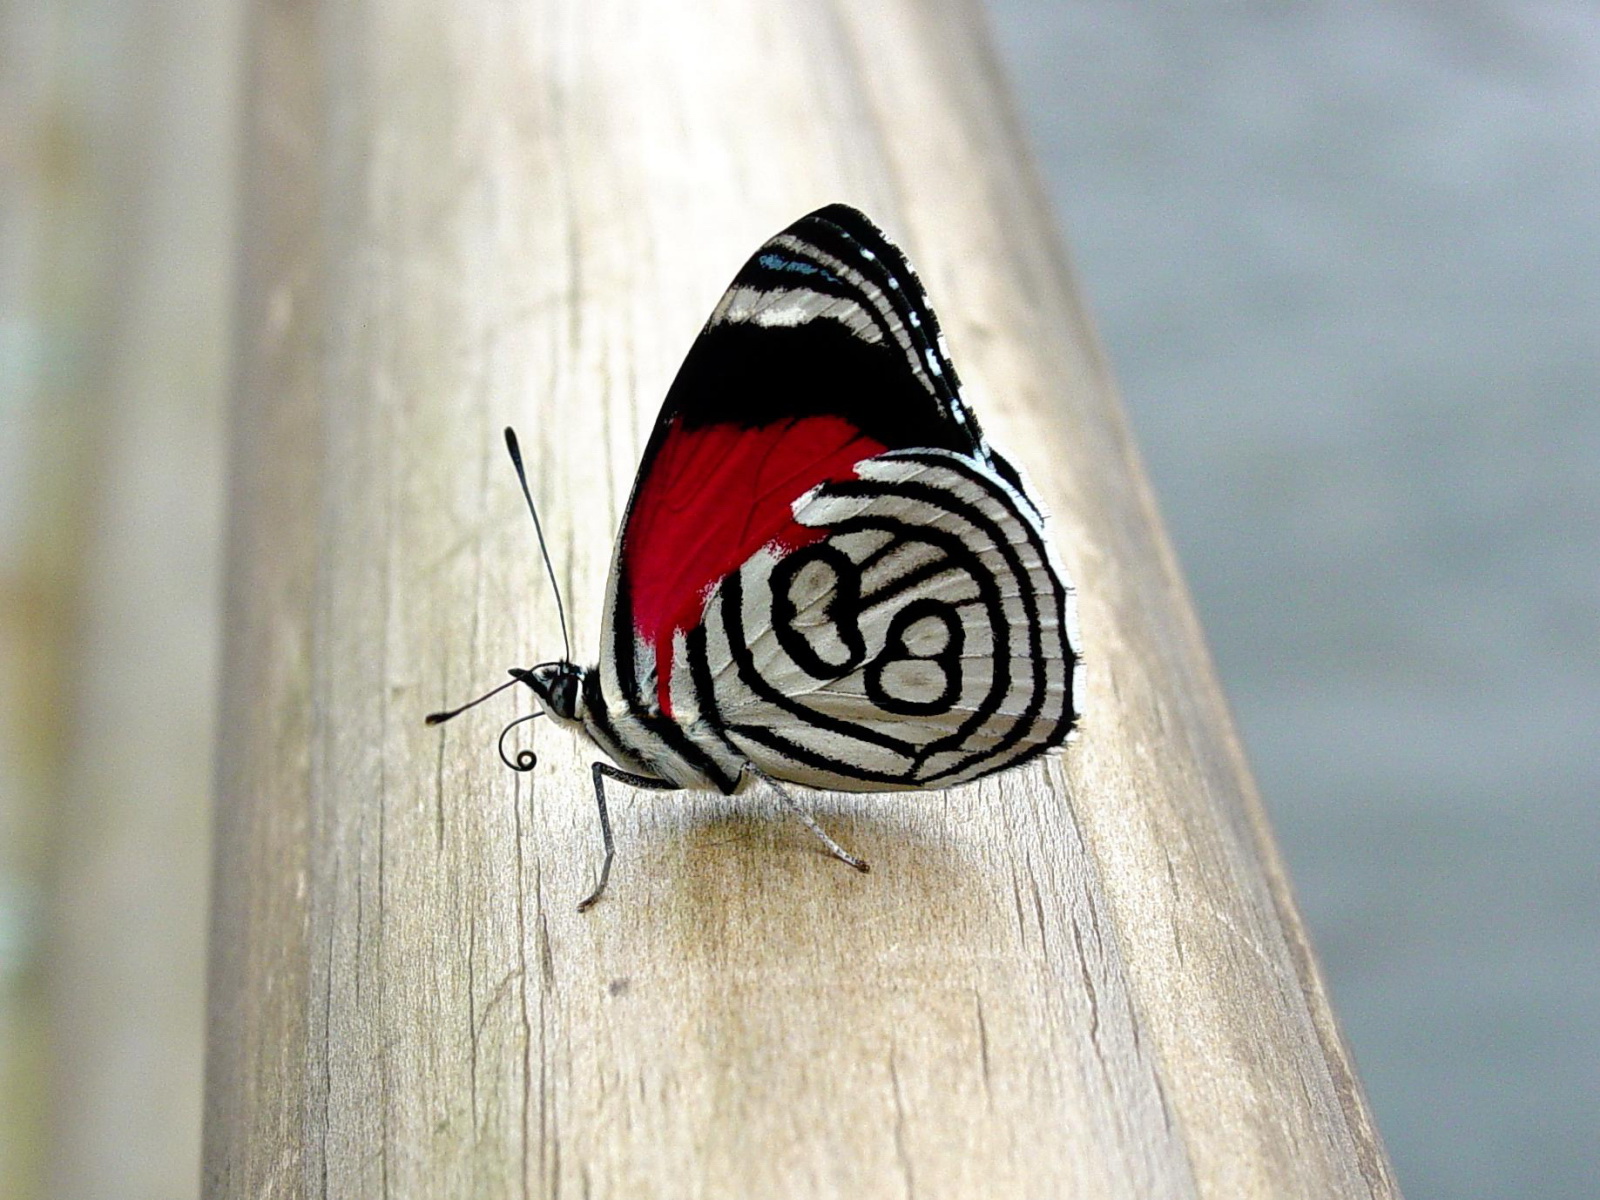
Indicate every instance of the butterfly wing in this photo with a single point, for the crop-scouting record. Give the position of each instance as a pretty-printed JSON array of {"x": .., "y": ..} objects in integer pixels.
[
  {"x": 765, "y": 608},
  {"x": 924, "y": 640}
]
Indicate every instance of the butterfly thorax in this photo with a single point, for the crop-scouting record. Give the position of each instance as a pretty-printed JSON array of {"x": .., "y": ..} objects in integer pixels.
[{"x": 573, "y": 698}]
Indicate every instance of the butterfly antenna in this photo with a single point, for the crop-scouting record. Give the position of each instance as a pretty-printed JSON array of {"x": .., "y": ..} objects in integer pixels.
[
  {"x": 439, "y": 718},
  {"x": 522, "y": 477}
]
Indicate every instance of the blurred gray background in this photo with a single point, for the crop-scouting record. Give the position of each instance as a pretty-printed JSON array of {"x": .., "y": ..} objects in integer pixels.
[{"x": 1346, "y": 260}]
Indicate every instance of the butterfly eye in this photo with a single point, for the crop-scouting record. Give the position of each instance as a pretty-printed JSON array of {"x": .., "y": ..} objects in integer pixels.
[{"x": 564, "y": 697}]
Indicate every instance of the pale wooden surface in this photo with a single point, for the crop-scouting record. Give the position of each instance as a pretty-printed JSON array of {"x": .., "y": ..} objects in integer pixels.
[{"x": 1083, "y": 979}]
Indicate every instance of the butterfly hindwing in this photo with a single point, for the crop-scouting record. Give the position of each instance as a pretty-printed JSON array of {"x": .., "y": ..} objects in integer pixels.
[
  {"x": 822, "y": 372},
  {"x": 923, "y": 641}
]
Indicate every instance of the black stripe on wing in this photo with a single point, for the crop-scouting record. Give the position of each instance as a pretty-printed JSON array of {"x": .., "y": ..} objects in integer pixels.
[{"x": 828, "y": 319}]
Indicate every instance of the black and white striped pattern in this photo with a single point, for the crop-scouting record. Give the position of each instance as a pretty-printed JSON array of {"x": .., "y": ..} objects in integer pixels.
[
  {"x": 925, "y": 641},
  {"x": 835, "y": 276},
  {"x": 928, "y": 637},
  {"x": 832, "y": 274}
]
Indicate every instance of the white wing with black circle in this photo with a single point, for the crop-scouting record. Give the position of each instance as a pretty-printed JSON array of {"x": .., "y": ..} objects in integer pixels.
[{"x": 926, "y": 638}]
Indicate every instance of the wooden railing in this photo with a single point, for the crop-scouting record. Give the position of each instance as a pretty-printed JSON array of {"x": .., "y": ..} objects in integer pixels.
[{"x": 1085, "y": 978}]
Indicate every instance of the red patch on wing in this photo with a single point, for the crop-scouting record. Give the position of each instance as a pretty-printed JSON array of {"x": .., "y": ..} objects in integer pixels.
[{"x": 713, "y": 497}]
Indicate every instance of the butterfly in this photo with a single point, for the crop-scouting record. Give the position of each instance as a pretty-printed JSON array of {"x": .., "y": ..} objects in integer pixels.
[{"x": 826, "y": 576}]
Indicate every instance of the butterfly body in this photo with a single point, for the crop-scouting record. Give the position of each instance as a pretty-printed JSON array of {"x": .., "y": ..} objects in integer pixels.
[{"x": 826, "y": 575}]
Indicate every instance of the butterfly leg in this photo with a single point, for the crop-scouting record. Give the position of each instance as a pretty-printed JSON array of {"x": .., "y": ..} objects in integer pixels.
[
  {"x": 602, "y": 772},
  {"x": 793, "y": 806}
]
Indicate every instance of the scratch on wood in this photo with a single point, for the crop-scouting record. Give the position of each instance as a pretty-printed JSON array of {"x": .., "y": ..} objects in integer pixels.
[
  {"x": 1243, "y": 938},
  {"x": 1016, "y": 902},
  {"x": 547, "y": 961},
  {"x": 522, "y": 961},
  {"x": 1161, "y": 1096},
  {"x": 472, "y": 1012},
  {"x": 900, "y": 1150},
  {"x": 361, "y": 908},
  {"x": 1088, "y": 987},
  {"x": 553, "y": 1138},
  {"x": 1093, "y": 909},
  {"x": 1177, "y": 908},
  {"x": 438, "y": 801},
  {"x": 549, "y": 1143},
  {"x": 983, "y": 1043},
  {"x": 1038, "y": 909},
  {"x": 386, "y": 1114},
  {"x": 327, "y": 1041},
  {"x": 501, "y": 991}
]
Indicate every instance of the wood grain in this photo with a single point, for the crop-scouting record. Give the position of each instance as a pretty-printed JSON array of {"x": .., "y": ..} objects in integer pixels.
[{"x": 1080, "y": 979}]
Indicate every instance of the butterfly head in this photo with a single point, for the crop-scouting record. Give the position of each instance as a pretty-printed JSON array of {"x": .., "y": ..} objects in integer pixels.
[{"x": 559, "y": 686}]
